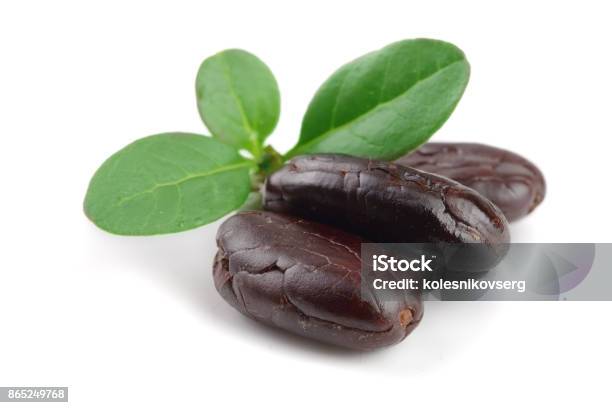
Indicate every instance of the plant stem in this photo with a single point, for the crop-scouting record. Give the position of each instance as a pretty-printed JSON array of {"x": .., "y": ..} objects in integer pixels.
[{"x": 270, "y": 161}]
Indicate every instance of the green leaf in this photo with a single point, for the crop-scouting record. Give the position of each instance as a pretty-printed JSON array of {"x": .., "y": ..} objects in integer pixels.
[
  {"x": 238, "y": 99},
  {"x": 167, "y": 183},
  {"x": 387, "y": 102}
]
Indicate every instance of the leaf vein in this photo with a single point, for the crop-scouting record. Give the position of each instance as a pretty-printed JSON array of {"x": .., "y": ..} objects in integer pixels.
[
  {"x": 157, "y": 186},
  {"x": 245, "y": 119}
]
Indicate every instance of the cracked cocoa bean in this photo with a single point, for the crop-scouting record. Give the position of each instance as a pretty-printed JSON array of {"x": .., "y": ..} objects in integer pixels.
[
  {"x": 305, "y": 277},
  {"x": 383, "y": 201},
  {"x": 387, "y": 202},
  {"x": 510, "y": 181}
]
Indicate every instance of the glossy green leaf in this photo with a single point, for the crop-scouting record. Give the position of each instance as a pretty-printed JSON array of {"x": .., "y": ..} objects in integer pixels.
[
  {"x": 387, "y": 102},
  {"x": 167, "y": 183},
  {"x": 238, "y": 99}
]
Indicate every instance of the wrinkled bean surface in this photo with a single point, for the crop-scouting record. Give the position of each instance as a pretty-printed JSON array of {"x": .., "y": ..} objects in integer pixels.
[
  {"x": 510, "y": 181},
  {"x": 304, "y": 277},
  {"x": 383, "y": 201}
]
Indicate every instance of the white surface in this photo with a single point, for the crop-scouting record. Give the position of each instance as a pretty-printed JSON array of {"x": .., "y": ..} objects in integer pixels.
[{"x": 137, "y": 322}]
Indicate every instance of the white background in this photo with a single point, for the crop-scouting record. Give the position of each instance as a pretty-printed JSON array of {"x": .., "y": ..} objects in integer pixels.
[{"x": 137, "y": 322}]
